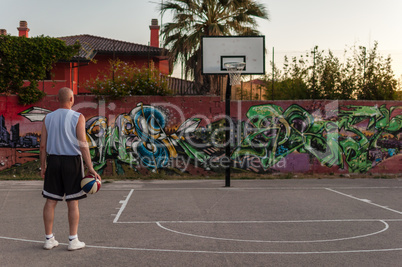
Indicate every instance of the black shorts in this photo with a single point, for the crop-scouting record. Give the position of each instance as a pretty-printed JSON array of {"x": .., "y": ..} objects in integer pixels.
[{"x": 63, "y": 178}]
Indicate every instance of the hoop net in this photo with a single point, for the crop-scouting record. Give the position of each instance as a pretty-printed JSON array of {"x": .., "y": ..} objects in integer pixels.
[{"x": 234, "y": 69}]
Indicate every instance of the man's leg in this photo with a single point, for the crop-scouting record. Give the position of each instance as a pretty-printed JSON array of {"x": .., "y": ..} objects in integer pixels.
[
  {"x": 48, "y": 219},
  {"x": 48, "y": 215},
  {"x": 73, "y": 219},
  {"x": 73, "y": 216}
]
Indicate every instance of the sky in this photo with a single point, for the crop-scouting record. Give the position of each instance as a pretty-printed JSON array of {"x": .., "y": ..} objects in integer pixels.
[{"x": 294, "y": 27}]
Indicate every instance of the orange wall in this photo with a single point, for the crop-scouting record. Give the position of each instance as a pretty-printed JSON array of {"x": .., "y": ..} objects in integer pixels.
[
  {"x": 101, "y": 64},
  {"x": 75, "y": 75},
  {"x": 164, "y": 67}
]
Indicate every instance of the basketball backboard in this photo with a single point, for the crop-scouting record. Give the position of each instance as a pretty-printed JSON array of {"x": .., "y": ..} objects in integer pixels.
[{"x": 218, "y": 50}]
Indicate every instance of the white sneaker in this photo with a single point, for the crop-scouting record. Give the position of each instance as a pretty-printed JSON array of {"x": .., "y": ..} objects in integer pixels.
[
  {"x": 75, "y": 244},
  {"x": 50, "y": 243}
]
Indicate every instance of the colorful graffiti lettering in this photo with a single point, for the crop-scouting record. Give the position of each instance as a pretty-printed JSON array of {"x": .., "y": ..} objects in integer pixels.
[
  {"x": 139, "y": 138},
  {"x": 363, "y": 152},
  {"x": 278, "y": 133},
  {"x": 352, "y": 138},
  {"x": 338, "y": 141}
]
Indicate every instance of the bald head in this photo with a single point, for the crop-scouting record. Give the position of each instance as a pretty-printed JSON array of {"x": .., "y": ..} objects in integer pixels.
[{"x": 65, "y": 95}]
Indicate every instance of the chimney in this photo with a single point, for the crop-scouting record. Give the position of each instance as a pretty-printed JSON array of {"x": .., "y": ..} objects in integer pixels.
[
  {"x": 23, "y": 29},
  {"x": 3, "y": 32},
  {"x": 154, "y": 33}
]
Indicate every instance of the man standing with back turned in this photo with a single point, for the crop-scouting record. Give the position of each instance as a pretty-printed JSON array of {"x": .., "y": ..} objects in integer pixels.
[{"x": 63, "y": 146}]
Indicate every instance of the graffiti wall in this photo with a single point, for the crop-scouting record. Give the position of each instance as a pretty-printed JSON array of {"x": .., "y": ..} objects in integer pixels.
[{"x": 187, "y": 135}]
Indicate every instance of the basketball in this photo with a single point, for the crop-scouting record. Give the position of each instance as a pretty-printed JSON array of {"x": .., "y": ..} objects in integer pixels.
[{"x": 90, "y": 185}]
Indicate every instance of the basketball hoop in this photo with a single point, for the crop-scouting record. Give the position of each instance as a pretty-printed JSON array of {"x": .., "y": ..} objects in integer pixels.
[{"x": 234, "y": 69}]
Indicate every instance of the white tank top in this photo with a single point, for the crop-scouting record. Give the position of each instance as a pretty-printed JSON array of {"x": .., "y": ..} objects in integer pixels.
[{"x": 61, "y": 128}]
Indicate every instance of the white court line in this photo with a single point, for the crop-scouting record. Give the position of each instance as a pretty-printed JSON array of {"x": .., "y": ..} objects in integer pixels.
[
  {"x": 257, "y": 188},
  {"x": 223, "y": 252},
  {"x": 241, "y": 222},
  {"x": 227, "y": 252},
  {"x": 364, "y": 200},
  {"x": 277, "y": 241},
  {"x": 123, "y": 206}
]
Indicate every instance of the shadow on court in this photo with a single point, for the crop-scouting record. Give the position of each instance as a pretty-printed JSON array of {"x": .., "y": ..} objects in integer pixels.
[{"x": 325, "y": 222}]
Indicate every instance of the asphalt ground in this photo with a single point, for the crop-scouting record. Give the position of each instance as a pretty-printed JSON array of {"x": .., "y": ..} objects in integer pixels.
[{"x": 298, "y": 222}]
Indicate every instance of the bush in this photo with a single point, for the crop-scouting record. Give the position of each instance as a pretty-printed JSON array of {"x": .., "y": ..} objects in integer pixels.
[
  {"x": 123, "y": 79},
  {"x": 30, "y": 94},
  {"x": 29, "y": 59}
]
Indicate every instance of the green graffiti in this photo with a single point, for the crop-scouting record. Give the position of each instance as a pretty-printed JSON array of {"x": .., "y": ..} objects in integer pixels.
[
  {"x": 277, "y": 133},
  {"x": 363, "y": 152}
]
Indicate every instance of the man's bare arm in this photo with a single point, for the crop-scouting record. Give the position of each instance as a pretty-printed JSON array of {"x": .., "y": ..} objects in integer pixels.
[
  {"x": 82, "y": 139},
  {"x": 42, "y": 150}
]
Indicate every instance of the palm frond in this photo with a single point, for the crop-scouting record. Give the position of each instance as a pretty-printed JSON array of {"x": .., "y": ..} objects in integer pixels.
[{"x": 193, "y": 19}]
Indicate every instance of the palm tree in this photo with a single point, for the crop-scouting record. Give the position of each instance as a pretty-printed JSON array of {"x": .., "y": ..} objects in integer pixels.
[{"x": 193, "y": 19}]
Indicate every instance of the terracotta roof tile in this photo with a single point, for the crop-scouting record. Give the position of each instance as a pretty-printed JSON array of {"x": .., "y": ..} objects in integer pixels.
[{"x": 91, "y": 45}]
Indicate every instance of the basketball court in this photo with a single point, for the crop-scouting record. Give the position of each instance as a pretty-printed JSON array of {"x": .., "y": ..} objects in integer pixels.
[{"x": 331, "y": 222}]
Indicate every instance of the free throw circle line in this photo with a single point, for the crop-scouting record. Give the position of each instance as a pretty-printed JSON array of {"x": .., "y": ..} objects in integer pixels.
[{"x": 276, "y": 241}]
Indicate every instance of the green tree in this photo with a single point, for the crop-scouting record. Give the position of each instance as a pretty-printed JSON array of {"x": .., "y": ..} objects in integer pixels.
[
  {"x": 290, "y": 82},
  {"x": 28, "y": 59},
  {"x": 377, "y": 80},
  {"x": 193, "y": 19},
  {"x": 365, "y": 75},
  {"x": 334, "y": 80},
  {"x": 398, "y": 93}
]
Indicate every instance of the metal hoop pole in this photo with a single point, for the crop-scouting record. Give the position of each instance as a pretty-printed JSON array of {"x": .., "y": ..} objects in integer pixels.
[{"x": 227, "y": 131}]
